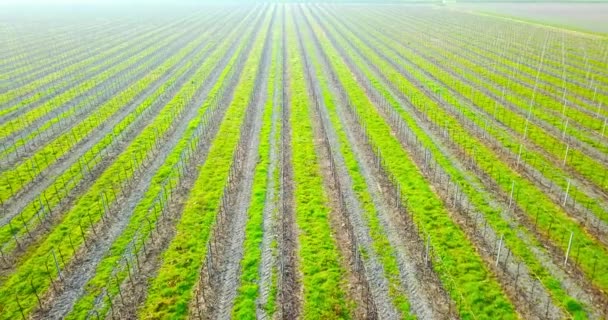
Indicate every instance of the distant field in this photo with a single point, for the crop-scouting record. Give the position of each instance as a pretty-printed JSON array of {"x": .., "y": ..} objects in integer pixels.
[
  {"x": 301, "y": 161},
  {"x": 587, "y": 16}
]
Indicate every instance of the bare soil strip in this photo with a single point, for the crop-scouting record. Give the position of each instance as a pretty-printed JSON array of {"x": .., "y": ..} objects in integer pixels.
[
  {"x": 268, "y": 265},
  {"x": 289, "y": 284}
]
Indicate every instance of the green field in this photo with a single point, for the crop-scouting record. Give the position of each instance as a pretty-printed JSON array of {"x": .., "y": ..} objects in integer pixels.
[{"x": 304, "y": 160}]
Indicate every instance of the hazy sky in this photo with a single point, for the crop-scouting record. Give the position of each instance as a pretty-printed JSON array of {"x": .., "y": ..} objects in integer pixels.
[
  {"x": 43, "y": 2},
  {"x": 82, "y": 2}
]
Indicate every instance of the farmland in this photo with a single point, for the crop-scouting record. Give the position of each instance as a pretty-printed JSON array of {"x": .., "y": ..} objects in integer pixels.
[{"x": 302, "y": 160}]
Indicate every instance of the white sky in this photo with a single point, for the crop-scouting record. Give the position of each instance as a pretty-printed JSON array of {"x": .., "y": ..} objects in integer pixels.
[{"x": 77, "y": 2}]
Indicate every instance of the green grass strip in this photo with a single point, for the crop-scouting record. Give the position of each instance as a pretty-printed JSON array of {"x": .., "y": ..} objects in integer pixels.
[
  {"x": 107, "y": 271},
  {"x": 533, "y": 158},
  {"x": 170, "y": 292},
  {"x": 520, "y": 94},
  {"x": 323, "y": 276},
  {"x": 110, "y": 52},
  {"x": 24, "y": 120},
  {"x": 23, "y": 173},
  {"x": 531, "y": 199},
  {"x": 467, "y": 279},
  {"x": 512, "y": 235},
  {"x": 584, "y": 164},
  {"x": 87, "y": 210},
  {"x": 247, "y": 294},
  {"x": 381, "y": 245},
  {"x": 73, "y": 175}
]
